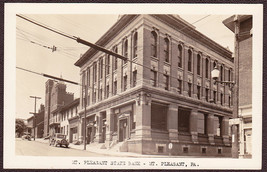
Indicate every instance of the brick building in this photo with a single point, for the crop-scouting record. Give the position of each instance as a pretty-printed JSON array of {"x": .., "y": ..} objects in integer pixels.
[
  {"x": 55, "y": 98},
  {"x": 244, "y": 43},
  {"x": 163, "y": 94}
]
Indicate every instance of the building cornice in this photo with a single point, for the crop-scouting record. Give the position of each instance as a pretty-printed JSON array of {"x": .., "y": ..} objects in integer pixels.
[{"x": 113, "y": 31}]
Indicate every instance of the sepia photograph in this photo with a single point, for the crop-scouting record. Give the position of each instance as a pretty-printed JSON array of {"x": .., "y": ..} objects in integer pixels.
[{"x": 109, "y": 86}]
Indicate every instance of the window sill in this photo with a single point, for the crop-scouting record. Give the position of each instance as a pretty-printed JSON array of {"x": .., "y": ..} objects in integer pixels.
[
  {"x": 154, "y": 58},
  {"x": 167, "y": 63}
]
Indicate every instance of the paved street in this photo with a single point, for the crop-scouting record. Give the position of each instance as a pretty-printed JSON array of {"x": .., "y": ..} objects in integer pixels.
[{"x": 34, "y": 148}]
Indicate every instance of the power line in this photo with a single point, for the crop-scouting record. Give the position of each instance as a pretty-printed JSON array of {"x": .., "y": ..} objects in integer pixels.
[{"x": 60, "y": 33}]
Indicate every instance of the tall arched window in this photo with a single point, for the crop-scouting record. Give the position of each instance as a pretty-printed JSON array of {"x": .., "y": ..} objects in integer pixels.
[
  {"x": 221, "y": 73},
  {"x": 116, "y": 59},
  {"x": 198, "y": 64},
  {"x": 190, "y": 60},
  {"x": 166, "y": 49},
  {"x": 125, "y": 50},
  {"x": 153, "y": 41},
  {"x": 135, "y": 44},
  {"x": 207, "y": 68},
  {"x": 180, "y": 53}
]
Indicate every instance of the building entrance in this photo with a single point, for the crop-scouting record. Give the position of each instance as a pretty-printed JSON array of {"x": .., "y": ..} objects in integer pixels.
[{"x": 122, "y": 129}]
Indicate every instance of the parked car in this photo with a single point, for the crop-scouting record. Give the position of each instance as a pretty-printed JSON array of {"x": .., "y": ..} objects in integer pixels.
[
  {"x": 26, "y": 136},
  {"x": 58, "y": 139}
]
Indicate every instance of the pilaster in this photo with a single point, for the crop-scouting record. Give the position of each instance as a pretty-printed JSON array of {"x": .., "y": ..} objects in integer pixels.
[
  {"x": 173, "y": 122},
  {"x": 210, "y": 128},
  {"x": 193, "y": 126}
]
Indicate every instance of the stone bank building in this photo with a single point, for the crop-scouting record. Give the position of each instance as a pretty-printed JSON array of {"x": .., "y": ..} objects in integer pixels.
[{"x": 162, "y": 94}]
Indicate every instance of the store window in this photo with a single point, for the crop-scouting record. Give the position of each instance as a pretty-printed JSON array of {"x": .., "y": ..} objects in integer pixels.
[{"x": 183, "y": 120}]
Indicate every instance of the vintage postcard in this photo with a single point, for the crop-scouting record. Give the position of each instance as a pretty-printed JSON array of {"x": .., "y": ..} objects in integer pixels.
[{"x": 133, "y": 86}]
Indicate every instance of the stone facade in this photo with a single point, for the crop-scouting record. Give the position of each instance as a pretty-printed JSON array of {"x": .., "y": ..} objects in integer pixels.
[{"x": 163, "y": 94}]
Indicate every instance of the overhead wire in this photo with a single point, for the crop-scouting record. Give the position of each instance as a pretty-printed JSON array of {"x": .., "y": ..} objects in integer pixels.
[{"x": 75, "y": 38}]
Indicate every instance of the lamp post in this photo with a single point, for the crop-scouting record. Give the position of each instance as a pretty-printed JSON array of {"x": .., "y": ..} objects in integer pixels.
[
  {"x": 215, "y": 73},
  {"x": 85, "y": 104}
]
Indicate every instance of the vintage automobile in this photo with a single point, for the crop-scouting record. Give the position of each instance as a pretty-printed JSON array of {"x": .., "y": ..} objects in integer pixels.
[
  {"x": 26, "y": 136},
  {"x": 58, "y": 139}
]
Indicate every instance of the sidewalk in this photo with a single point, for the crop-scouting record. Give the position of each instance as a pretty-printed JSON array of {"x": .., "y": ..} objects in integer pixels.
[{"x": 95, "y": 148}]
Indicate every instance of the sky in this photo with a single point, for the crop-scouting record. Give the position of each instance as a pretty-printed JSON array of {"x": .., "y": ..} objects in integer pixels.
[{"x": 32, "y": 54}]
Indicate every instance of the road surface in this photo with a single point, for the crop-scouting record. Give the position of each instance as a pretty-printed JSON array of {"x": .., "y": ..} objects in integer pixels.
[{"x": 34, "y": 148}]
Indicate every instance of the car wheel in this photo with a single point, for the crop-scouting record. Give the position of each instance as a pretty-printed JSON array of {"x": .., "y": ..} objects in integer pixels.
[{"x": 67, "y": 146}]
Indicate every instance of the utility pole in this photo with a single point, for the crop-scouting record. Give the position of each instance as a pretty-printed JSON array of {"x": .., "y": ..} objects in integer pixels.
[
  {"x": 34, "y": 117},
  {"x": 235, "y": 142},
  {"x": 85, "y": 104}
]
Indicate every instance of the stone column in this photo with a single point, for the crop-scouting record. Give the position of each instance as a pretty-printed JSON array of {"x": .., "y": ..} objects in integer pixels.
[
  {"x": 109, "y": 126},
  {"x": 173, "y": 122},
  {"x": 225, "y": 130},
  {"x": 98, "y": 128},
  {"x": 210, "y": 128},
  {"x": 143, "y": 117},
  {"x": 80, "y": 136},
  {"x": 193, "y": 126}
]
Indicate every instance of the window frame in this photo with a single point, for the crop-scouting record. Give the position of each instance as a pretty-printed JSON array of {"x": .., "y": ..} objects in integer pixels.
[{"x": 154, "y": 42}]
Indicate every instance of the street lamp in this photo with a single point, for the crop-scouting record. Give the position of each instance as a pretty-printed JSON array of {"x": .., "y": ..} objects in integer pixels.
[{"x": 215, "y": 74}]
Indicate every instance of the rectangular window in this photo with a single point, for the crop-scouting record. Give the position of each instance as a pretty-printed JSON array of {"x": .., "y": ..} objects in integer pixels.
[
  {"x": 115, "y": 87},
  {"x": 94, "y": 97},
  {"x": 179, "y": 86},
  {"x": 229, "y": 101},
  {"x": 189, "y": 67},
  {"x": 180, "y": 53},
  {"x": 189, "y": 89},
  {"x": 207, "y": 68},
  {"x": 134, "y": 78},
  {"x": 207, "y": 94},
  {"x": 100, "y": 94},
  {"x": 198, "y": 92},
  {"x": 221, "y": 73},
  {"x": 88, "y": 76},
  {"x": 115, "y": 122},
  {"x": 198, "y": 64},
  {"x": 222, "y": 101},
  {"x": 94, "y": 71},
  {"x": 202, "y": 124},
  {"x": 107, "y": 91},
  {"x": 218, "y": 125},
  {"x": 153, "y": 78},
  {"x": 214, "y": 96},
  {"x": 67, "y": 129},
  {"x": 125, "y": 83},
  {"x": 183, "y": 120},
  {"x": 166, "y": 82},
  {"x": 159, "y": 116},
  {"x": 135, "y": 44},
  {"x": 107, "y": 64},
  {"x": 116, "y": 63},
  {"x": 101, "y": 64}
]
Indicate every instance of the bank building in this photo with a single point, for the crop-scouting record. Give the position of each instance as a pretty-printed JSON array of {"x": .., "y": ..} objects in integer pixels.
[{"x": 162, "y": 94}]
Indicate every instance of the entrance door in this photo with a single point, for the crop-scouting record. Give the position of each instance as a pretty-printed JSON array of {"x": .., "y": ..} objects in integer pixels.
[
  {"x": 89, "y": 135},
  {"x": 104, "y": 134},
  {"x": 122, "y": 131}
]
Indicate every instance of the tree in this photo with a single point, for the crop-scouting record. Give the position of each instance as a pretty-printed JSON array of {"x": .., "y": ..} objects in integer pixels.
[{"x": 20, "y": 127}]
